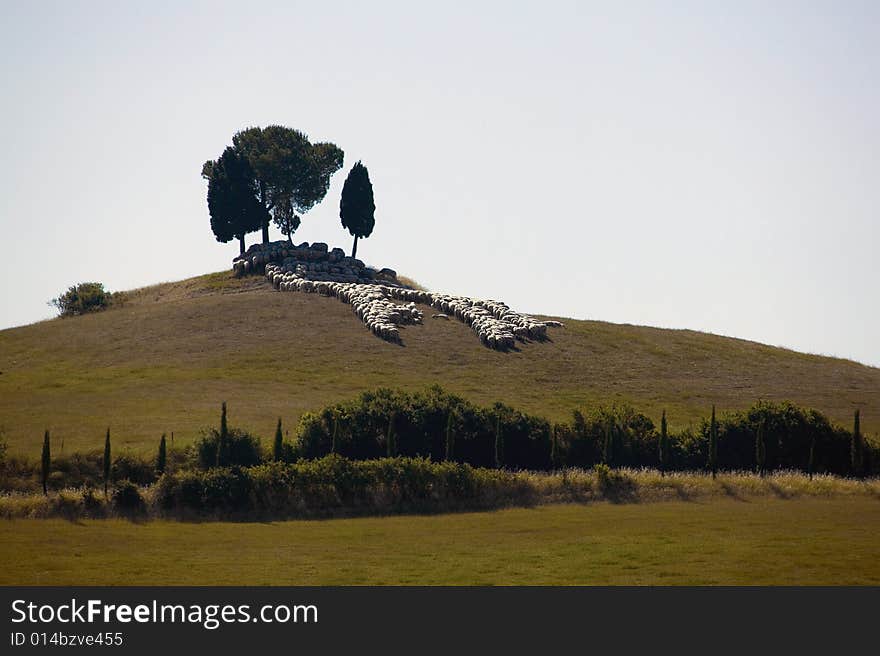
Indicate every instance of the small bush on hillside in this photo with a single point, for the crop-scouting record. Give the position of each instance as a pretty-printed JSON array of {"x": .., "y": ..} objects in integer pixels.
[{"x": 82, "y": 298}]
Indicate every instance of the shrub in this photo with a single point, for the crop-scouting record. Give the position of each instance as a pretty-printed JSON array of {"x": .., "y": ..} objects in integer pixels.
[
  {"x": 239, "y": 448},
  {"x": 135, "y": 469},
  {"x": 334, "y": 484},
  {"x": 430, "y": 424},
  {"x": 82, "y": 298},
  {"x": 127, "y": 499}
]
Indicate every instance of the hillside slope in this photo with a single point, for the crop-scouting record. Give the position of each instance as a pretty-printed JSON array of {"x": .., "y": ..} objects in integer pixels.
[{"x": 167, "y": 357}]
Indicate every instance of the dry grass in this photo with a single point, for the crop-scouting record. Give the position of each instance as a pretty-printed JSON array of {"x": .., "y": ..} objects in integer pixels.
[
  {"x": 165, "y": 358},
  {"x": 530, "y": 489}
]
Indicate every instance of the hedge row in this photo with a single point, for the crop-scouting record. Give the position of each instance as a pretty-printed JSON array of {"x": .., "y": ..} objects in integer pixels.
[{"x": 334, "y": 484}]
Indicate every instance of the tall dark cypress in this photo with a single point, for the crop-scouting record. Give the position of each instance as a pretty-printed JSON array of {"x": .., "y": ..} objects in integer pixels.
[
  {"x": 450, "y": 437},
  {"x": 106, "y": 461},
  {"x": 608, "y": 448},
  {"x": 278, "y": 447},
  {"x": 811, "y": 463},
  {"x": 499, "y": 442},
  {"x": 390, "y": 439},
  {"x": 856, "y": 447},
  {"x": 46, "y": 462},
  {"x": 761, "y": 450},
  {"x": 356, "y": 206},
  {"x": 161, "y": 457},
  {"x": 713, "y": 444},
  {"x": 223, "y": 438},
  {"x": 664, "y": 445}
]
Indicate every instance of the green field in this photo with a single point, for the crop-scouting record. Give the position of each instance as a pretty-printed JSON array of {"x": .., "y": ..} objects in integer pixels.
[
  {"x": 758, "y": 541},
  {"x": 164, "y": 361}
]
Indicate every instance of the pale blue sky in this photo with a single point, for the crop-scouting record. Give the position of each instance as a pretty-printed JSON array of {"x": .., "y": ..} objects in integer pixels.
[{"x": 703, "y": 165}]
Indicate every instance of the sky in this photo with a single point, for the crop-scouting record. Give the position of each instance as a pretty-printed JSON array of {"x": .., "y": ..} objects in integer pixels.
[{"x": 704, "y": 165}]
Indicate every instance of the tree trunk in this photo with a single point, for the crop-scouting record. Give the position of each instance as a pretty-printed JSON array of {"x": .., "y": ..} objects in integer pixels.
[
  {"x": 354, "y": 249},
  {"x": 290, "y": 237},
  {"x": 241, "y": 245},
  {"x": 266, "y": 232}
]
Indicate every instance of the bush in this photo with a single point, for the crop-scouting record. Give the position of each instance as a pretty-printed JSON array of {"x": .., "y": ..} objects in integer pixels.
[
  {"x": 241, "y": 449},
  {"x": 135, "y": 469},
  {"x": 127, "y": 499},
  {"x": 82, "y": 298}
]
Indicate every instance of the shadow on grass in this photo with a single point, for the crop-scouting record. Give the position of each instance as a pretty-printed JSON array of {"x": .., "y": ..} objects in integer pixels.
[{"x": 731, "y": 492}]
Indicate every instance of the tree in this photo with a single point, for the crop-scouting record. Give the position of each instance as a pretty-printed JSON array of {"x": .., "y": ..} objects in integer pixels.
[
  {"x": 713, "y": 444},
  {"x": 106, "y": 462},
  {"x": 46, "y": 462},
  {"x": 450, "y": 436},
  {"x": 761, "y": 449},
  {"x": 811, "y": 463},
  {"x": 278, "y": 449},
  {"x": 664, "y": 445},
  {"x": 286, "y": 219},
  {"x": 390, "y": 439},
  {"x": 232, "y": 202},
  {"x": 290, "y": 173},
  {"x": 356, "y": 207},
  {"x": 162, "y": 456},
  {"x": 608, "y": 447},
  {"x": 856, "y": 449},
  {"x": 499, "y": 440},
  {"x": 223, "y": 438}
]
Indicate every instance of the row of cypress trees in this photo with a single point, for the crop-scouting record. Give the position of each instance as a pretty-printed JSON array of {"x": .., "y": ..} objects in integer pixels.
[
  {"x": 106, "y": 463},
  {"x": 857, "y": 447}
]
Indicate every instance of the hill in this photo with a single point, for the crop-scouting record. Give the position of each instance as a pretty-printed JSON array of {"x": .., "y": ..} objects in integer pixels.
[{"x": 169, "y": 354}]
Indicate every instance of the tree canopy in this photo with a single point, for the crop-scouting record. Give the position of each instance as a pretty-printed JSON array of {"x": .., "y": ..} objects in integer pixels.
[
  {"x": 356, "y": 207},
  {"x": 289, "y": 174},
  {"x": 232, "y": 201}
]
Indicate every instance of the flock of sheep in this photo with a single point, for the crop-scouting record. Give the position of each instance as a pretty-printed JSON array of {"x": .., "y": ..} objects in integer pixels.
[{"x": 496, "y": 325}]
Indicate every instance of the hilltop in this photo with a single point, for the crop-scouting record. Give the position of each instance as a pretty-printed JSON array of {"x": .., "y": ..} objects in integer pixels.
[{"x": 164, "y": 359}]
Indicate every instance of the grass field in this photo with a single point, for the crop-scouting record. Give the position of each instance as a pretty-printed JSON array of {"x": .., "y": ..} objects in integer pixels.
[
  {"x": 762, "y": 541},
  {"x": 165, "y": 360}
]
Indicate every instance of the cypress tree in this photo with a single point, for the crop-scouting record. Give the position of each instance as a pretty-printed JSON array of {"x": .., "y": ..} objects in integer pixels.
[
  {"x": 46, "y": 462},
  {"x": 450, "y": 437},
  {"x": 761, "y": 450},
  {"x": 855, "y": 447},
  {"x": 106, "y": 461},
  {"x": 664, "y": 445},
  {"x": 713, "y": 444},
  {"x": 811, "y": 463},
  {"x": 390, "y": 438},
  {"x": 279, "y": 442},
  {"x": 608, "y": 450},
  {"x": 161, "y": 458},
  {"x": 335, "y": 433},
  {"x": 499, "y": 442},
  {"x": 223, "y": 437},
  {"x": 356, "y": 206}
]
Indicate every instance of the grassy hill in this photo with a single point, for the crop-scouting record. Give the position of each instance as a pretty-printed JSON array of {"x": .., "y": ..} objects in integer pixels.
[{"x": 165, "y": 359}]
